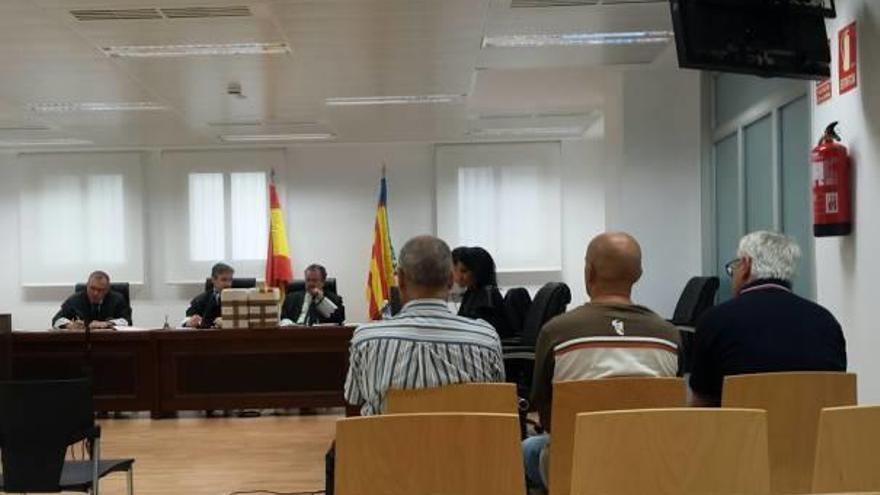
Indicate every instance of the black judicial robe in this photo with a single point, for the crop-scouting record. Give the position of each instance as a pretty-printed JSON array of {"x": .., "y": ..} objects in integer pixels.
[
  {"x": 486, "y": 304},
  {"x": 293, "y": 304},
  {"x": 208, "y": 306},
  {"x": 79, "y": 307}
]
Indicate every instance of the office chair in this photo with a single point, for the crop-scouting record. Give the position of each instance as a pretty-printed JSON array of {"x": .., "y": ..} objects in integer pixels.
[
  {"x": 300, "y": 285},
  {"x": 237, "y": 283},
  {"x": 697, "y": 297},
  {"x": 122, "y": 288},
  {"x": 39, "y": 420}
]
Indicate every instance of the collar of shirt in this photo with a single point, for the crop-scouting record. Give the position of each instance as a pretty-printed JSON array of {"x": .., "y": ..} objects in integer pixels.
[
  {"x": 424, "y": 304},
  {"x": 766, "y": 284}
]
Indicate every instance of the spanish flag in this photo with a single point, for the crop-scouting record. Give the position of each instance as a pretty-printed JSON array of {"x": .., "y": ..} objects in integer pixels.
[
  {"x": 278, "y": 272},
  {"x": 382, "y": 263}
]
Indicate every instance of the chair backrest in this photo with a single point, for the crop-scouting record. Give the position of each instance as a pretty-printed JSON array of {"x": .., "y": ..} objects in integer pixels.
[
  {"x": 793, "y": 402},
  {"x": 495, "y": 398},
  {"x": 846, "y": 450},
  {"x": 395, "y": 299},
  {"x": 685, "y": 451},
  {"x": 123, "y": 288},
  {"x": 300, "y": 285},
  {"x": 38, "y": 420},
  {"x": 550, "y": 301},
  {"x": 573, "y": 398},
  {"x": 237, "y": 283},
  {"x": 517, "y": 302},
  {"x": 5, "y": 346},
  {"x": 407, "y": 454},
  {"x": 697, "y": 297}
]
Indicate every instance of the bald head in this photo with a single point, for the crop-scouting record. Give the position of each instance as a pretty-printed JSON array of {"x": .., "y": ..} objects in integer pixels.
[{"x": 613, "y": 265}]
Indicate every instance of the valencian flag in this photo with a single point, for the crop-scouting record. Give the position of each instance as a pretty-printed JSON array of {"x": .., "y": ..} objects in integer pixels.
[
  {"x": 381, "y": 277},
  {"x": 278, "y": 272}
]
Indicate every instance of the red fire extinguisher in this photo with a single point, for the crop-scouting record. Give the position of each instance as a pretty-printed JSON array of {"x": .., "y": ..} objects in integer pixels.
[{"x": 832, "y": 186}]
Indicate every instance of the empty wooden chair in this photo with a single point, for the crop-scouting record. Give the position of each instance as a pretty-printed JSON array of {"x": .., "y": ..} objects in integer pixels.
[
  {"x": 793, "y": 402},
  {"x": 847, "y": 450},
  {"x": 407, "y": 454},
  {"x": 571, "y": 398},
  {"x": 499, "y": 398},
  {"x": 671, "y": 451}
]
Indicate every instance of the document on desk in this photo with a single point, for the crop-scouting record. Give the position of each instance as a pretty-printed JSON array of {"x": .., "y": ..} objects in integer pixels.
[{"x": 130, "y": 329}]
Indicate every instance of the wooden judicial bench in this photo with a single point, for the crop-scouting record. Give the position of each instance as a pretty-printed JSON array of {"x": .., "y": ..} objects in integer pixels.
[{"x": 163, "y": 371}]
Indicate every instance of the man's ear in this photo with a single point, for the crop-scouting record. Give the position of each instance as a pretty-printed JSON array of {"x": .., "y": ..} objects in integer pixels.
[
  {"x": 450, "y": 280},
  {"x": 746, "y": 268}
]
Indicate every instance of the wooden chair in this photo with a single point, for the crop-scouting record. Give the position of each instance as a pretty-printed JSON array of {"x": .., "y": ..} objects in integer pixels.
[
  {"x": 498, "y": 398},
  {"x": 847, "y": 450},
  {"x": 571, "y": 398},
  {"x": 793, "y": 402},
  {"x": 407, "y": 454},
  {"x": 683, "y": 451}
]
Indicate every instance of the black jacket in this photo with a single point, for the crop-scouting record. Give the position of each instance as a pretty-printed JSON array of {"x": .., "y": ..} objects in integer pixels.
[
  {"x": 293, "y": 307},
  {"x": 79, "y": 307},
  {"x": 486, "y": 304},
  {"x": 765, "y": 329},
  {"x": 207, "y": 305}
]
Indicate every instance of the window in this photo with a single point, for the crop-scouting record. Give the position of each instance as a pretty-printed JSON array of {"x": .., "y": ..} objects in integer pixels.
[
  {"x": 220, "y": 212},
  {"x": 79, "y": 213},
  {"x": 239, "y": 233},
  {"x": 505, "y": 198}
]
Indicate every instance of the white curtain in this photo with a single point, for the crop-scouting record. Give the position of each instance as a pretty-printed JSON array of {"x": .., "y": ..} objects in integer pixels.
[
  {"x": 249, "y": 203},
  {"x": 80, "y": 212},
  {"x": 224, "y": 218},
  {"x": 505, "y": 198},
  {"x": 207, "y": 217}
]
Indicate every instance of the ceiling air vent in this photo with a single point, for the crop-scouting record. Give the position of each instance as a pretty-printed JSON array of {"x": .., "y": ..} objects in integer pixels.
[
  {"x": 206, "y": 12},
  {"x": 160, "y": 14},
  {"x": 116, "y": 14},
  {"x": 528, "y": 4}
]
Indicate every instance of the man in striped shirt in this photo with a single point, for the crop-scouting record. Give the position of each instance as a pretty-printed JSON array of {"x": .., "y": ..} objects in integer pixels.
[{"x": 426, "y": 344}]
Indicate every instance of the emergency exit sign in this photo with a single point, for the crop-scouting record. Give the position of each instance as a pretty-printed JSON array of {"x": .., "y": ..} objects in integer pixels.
[{"x": 846, "y": 59}]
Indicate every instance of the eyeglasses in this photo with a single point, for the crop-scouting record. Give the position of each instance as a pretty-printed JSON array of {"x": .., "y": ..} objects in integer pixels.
[{"x": 731, "y": 265}]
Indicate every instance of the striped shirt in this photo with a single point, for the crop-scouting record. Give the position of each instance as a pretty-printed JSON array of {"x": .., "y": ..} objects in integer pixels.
[{"x": 425, "y": 345}]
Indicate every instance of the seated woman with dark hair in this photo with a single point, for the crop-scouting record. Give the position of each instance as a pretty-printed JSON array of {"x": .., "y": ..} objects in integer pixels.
[{"x": 475, "y": 272}]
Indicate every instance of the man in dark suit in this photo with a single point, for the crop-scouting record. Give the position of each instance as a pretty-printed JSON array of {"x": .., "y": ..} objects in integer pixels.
[
  {"x": 313, "y": 305},
  {"x": 97, "y": 306},
  {"x": 205, "y": 310}
]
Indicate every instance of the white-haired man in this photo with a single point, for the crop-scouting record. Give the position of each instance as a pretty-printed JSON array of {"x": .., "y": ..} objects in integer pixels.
[{"x": 765, "y": 327}]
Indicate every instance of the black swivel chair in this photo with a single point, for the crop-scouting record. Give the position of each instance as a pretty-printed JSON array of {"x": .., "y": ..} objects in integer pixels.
[
  {"x": 39, "y": 420},
  {"x": 122, "y": 288},
  {"x": 395, "y": 300},
  {"x": 237, "y": 283},
  {"x": 300, "y": 285},
  {"x": 517, "y": 302},
  {"x": 697, "y": 297},
  {"x": 519, "y": 359}
]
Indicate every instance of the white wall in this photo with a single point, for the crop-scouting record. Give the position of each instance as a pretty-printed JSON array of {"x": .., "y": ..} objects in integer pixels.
[
  {"x": 329, "y": 196},
  {"x": 637, "y": 170},
  {"x": 848, "y": 268},
  {"x": 654, "y": 177}
]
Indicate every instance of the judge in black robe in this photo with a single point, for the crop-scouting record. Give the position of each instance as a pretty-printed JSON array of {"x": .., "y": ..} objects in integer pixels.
[
  {"x": 315, "y": 305},
  {"x": 96, "y": 305},
  {"x": 205, "y": 310}
]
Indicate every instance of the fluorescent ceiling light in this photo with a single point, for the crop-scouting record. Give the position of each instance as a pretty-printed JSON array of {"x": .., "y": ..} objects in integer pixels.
[
  {"x": 260, "y": 138},
  {"x": 528, "y": 131},
  {"x": 44, "y": 142},
  {"x": 196, "y": 50},
  {"x": 95, "y": 107},
  {"x": 576, "y": 39},
  {"x": 392, "y": 100}
]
